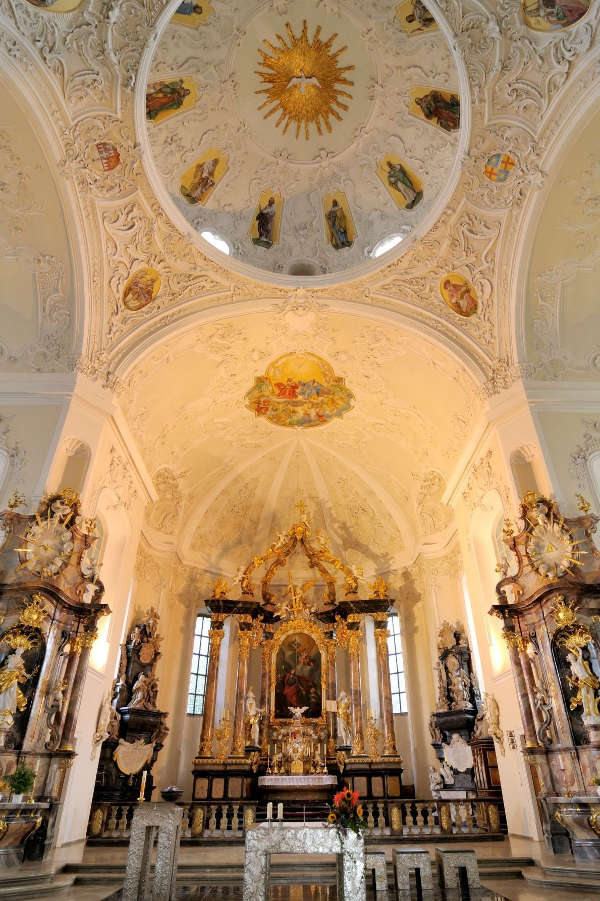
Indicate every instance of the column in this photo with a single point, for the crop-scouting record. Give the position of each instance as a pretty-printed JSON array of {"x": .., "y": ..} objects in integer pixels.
[
  {"x": 331, "y": 695},
  {"x": 358, "y": 744},
  {"x": 514, "y": 640},
  {"x": 239, "y": 739},
  {"x": 385, "y": 691},
  {"x": 265, "y": 687},
  {"x": 82, "y": 643},
  {"x": 205, "y": 748}
]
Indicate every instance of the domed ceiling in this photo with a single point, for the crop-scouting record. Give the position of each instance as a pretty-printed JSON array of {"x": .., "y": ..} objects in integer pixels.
[{"x": 300, "y": 136}]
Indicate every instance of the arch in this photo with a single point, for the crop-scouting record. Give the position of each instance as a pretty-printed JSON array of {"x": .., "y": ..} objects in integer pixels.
[
  {"x": 524, "y": 466},
  {"x": 77, "y": 456}
]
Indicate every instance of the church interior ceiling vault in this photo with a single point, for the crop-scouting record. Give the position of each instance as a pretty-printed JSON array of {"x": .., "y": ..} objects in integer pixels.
[{"x": 143, "y": 306}]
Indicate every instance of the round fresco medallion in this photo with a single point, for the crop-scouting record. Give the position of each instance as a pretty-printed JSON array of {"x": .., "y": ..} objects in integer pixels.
[
  {"x": 459, "y": 294},
  {"x": 103, "y": 156},
  {"x": 141, "y": 289},
  {"x": 299, "y": 390},
  {"x": 553, "y": 15},
  {"x": 56, "y": 6},
  {"x": 498, "y": 166}
]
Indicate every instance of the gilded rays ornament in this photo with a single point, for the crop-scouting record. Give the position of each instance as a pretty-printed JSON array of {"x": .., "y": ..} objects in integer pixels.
[{"x": 304, "y": 81}]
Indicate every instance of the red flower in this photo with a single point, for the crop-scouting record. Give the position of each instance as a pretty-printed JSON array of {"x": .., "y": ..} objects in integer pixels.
[
  {"x": 355, "y": 797},
  {"x": 337, "y": 799}
]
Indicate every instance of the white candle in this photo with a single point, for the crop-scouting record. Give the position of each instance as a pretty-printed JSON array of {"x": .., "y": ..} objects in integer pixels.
[
  {"x": 270, "y": 810},
  {"x": 280, "y": 811},
  {"x": 143, "y": 785}
]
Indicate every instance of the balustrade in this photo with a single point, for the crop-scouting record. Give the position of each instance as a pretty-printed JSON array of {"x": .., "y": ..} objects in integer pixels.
[{"x": 112, "y": 822}]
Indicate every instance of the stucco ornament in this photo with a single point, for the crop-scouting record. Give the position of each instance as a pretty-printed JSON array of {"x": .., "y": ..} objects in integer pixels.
[
  {"x": 458, "y": 753},
  {"x": 131, "y": 756}
]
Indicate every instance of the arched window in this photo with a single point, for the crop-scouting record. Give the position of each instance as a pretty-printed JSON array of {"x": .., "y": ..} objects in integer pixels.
[
  {"x": 199, "y": 668},
  {"x": 396, "y": 661}
]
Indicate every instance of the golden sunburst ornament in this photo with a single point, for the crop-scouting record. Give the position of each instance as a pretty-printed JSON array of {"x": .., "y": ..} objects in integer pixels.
[{"x": 304, "y": 81}]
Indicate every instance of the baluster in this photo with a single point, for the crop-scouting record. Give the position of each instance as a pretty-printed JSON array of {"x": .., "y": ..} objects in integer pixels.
[
  {"x": 249, "y": 816},
  {"x": 118, "y": 818},
  {"x": 469, "y": 815},
  {"x": 123, "y": 821},
  {"x": 197, "y": 827},
  {"x": 454, "y": 817},
  {"x": 409, "y": 817},
  {"x": 462, "y": 817},
  {"x": 235, "y": 820},
  {"x": 111, "y": 820},
  {"x": 420, "y": 820},
  {"x": 224, "y": 809},
  {"x": 212, "y": 823},
  {"x": 370, "y": 820},
  {"x": 381, "y": 816}
]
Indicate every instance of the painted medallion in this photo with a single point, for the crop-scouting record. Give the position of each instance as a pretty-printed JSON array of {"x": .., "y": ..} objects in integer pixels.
[
  {"x": 264, "y": 230},
  {"x": 299, "y": 390},
  {"x": 440, "y": 108},
  {"x": 141, "y": 289},
  {"x": 304, "y": 82},
  {"x": 459, "y": 294},
  {"x": 414, "y": 17},
  {"x": 403, "y": 185},
  {"x": 168, "y": 97},
  {"x": 553, "y": 15},
  {"x": 498, "y": 167},
  {"x": 339, "y": 224},
  {"x": 199, "y": 181},
  {"x": 104, "y": 156},
  {"x": 192, "y": 14}
]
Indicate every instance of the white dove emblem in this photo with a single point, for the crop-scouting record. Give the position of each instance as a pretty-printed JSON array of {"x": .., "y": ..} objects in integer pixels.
[
  {"x": 297, "y": 711},
  {"x": 302, "y": 80}
]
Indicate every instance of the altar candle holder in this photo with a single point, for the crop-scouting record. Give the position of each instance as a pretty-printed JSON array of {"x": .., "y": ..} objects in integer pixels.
[
  {"x": 270, "y": 811},
  {"x": 280, "y": 812},
  {"x": 143, "y": 787}
]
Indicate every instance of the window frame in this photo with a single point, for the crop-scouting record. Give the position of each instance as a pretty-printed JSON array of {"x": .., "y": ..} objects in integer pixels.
[
  {"x": 198, "y": 668},
  {"x": 396, "y": 667}
]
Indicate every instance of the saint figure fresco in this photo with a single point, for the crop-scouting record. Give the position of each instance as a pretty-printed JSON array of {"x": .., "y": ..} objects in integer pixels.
[
  {"x": 403, "y": 185},
  {"x": 264, "y": 229},
  {"x": 553, "y": 15},
  {"x": 339, "y": 224},
  {"x": 441, "y": 108},
  {"x": 165, "y": 98},
  {"x": 192, "y": 14},
  {"x": 459, "y": 294},
  {"x": 414, "y": 17},
  {"x": 298, "y": 676},
  {"x": 200, "y": 180}
]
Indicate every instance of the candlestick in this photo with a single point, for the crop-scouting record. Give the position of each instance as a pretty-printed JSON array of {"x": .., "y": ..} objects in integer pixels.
[
  {"x": 270, "y": 810},
  {"x": 143, "y": 786},
  {"x": 280, "y": 811}
]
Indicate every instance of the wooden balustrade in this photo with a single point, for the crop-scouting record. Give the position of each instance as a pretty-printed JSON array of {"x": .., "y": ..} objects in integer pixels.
[{"x": 229, "y": 820}]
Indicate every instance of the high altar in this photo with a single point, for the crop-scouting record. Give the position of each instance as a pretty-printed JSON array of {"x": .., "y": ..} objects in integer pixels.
[{"x": 307, "y": 726}]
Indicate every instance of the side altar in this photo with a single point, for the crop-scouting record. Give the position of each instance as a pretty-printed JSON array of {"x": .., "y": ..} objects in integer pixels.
[{"x": 305, "y": 732}]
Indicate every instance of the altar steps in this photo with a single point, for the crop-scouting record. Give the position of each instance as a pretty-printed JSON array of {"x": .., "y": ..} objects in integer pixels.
[{"x": 16, "y": 885}]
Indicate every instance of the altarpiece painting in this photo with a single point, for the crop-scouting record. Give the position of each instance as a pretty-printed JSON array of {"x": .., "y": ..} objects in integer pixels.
[{"x": 298, "y": 670}]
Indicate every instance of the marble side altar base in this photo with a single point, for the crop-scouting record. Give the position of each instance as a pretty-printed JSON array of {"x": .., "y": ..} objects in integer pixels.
[{"x": 298, "y": 838}]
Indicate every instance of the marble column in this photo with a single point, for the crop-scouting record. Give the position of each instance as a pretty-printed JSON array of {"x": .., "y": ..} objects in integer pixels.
[
  {"x": 521, "y": 686},
  {"x": 385, "y": 690},
  {"x": 331, "y": 695},
  {"x": 239, "y": 738},
  {"x": 82, "y": 643},
  {"x": 205, "y": 748},
  {"x": 358, "y": 744},
  {"x": 265, "y": 687}
]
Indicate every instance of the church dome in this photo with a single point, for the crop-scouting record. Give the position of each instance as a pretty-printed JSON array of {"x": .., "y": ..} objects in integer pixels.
[{"x": 295, "y": 140}]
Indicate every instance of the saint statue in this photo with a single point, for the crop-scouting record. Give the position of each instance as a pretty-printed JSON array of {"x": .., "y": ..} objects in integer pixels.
[
  {"x": 399, "y": 179},
  {"x": 253, "y": 718},
  {"x": 343, "y": 720},
  {"x": 338, "y": 226},
  {"x": 436, "y": 782},
  {"x": 144, "y": 692},
  {"x": 12, "y": 675},
  {"x": 584, "y": 680}
]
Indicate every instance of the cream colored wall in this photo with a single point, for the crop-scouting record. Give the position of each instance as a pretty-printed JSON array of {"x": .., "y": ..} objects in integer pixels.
[{"x": 29, "y": 432}]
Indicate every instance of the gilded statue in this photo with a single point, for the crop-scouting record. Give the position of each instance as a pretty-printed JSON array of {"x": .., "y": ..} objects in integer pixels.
[
  {"x": 12, "y": 675},
  {"x": 583, "y": 679},
  {"x": 373, "y": 735}
]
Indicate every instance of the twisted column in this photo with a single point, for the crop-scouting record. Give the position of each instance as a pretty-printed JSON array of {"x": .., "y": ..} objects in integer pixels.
[
  {"x": 239, "y": 742},
  {"x": 385, "y": 691},
  {"x": 358, "y": 744},
  {"x": 205, "y": 748}
]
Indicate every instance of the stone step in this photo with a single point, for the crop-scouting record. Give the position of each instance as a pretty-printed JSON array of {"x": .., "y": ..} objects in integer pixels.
[
  {"x": 567, "y": 879},
  {"x": 16, "y": 887}
]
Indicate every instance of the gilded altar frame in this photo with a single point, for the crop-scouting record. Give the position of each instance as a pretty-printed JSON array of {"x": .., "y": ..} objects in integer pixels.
[{"x": 306, "y": 627}]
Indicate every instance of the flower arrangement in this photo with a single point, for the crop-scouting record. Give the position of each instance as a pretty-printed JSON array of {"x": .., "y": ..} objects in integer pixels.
[
  {"x": 346, "y": 812},
  {"x": 21, "y": 780},
  {"x": 595, "y": 780}
]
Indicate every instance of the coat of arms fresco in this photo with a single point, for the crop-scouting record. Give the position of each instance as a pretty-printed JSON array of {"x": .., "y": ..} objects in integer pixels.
[{"x": 299, "y": 390}]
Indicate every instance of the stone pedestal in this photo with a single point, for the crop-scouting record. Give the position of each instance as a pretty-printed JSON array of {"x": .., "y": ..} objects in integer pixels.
[
  {"x": 160, "y": 822},
  {"x": 451, "y": 862},
  {"x": 407, "y": 859}
]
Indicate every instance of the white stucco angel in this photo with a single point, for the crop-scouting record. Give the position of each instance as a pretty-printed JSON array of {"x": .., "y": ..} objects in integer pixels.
[
  {"x": 253, "y": 717},
  {"x": 343, "y": 720}
]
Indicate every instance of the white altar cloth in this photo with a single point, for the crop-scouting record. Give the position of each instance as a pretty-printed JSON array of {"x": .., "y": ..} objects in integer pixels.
[
  {"x": 319, "y": 780},
  {"x": 302, "y": 838}
]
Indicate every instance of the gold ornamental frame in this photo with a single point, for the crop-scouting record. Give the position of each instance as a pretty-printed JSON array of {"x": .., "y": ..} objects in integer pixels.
[{"x": 299, "y": 626}]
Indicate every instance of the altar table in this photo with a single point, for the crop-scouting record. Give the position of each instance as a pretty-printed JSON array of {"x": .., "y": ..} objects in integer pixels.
[{"x": 303, "y": 838}]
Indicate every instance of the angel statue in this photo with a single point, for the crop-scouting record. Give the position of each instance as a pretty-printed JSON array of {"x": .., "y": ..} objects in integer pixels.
[
  {"x": 12, "y": 675},
  {"x": 253, "y": 717},
  {"x": 343, "y": 720}
]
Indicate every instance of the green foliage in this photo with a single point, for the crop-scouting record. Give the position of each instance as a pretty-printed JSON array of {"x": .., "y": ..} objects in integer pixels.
[{"x": 21, "y": 781}]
